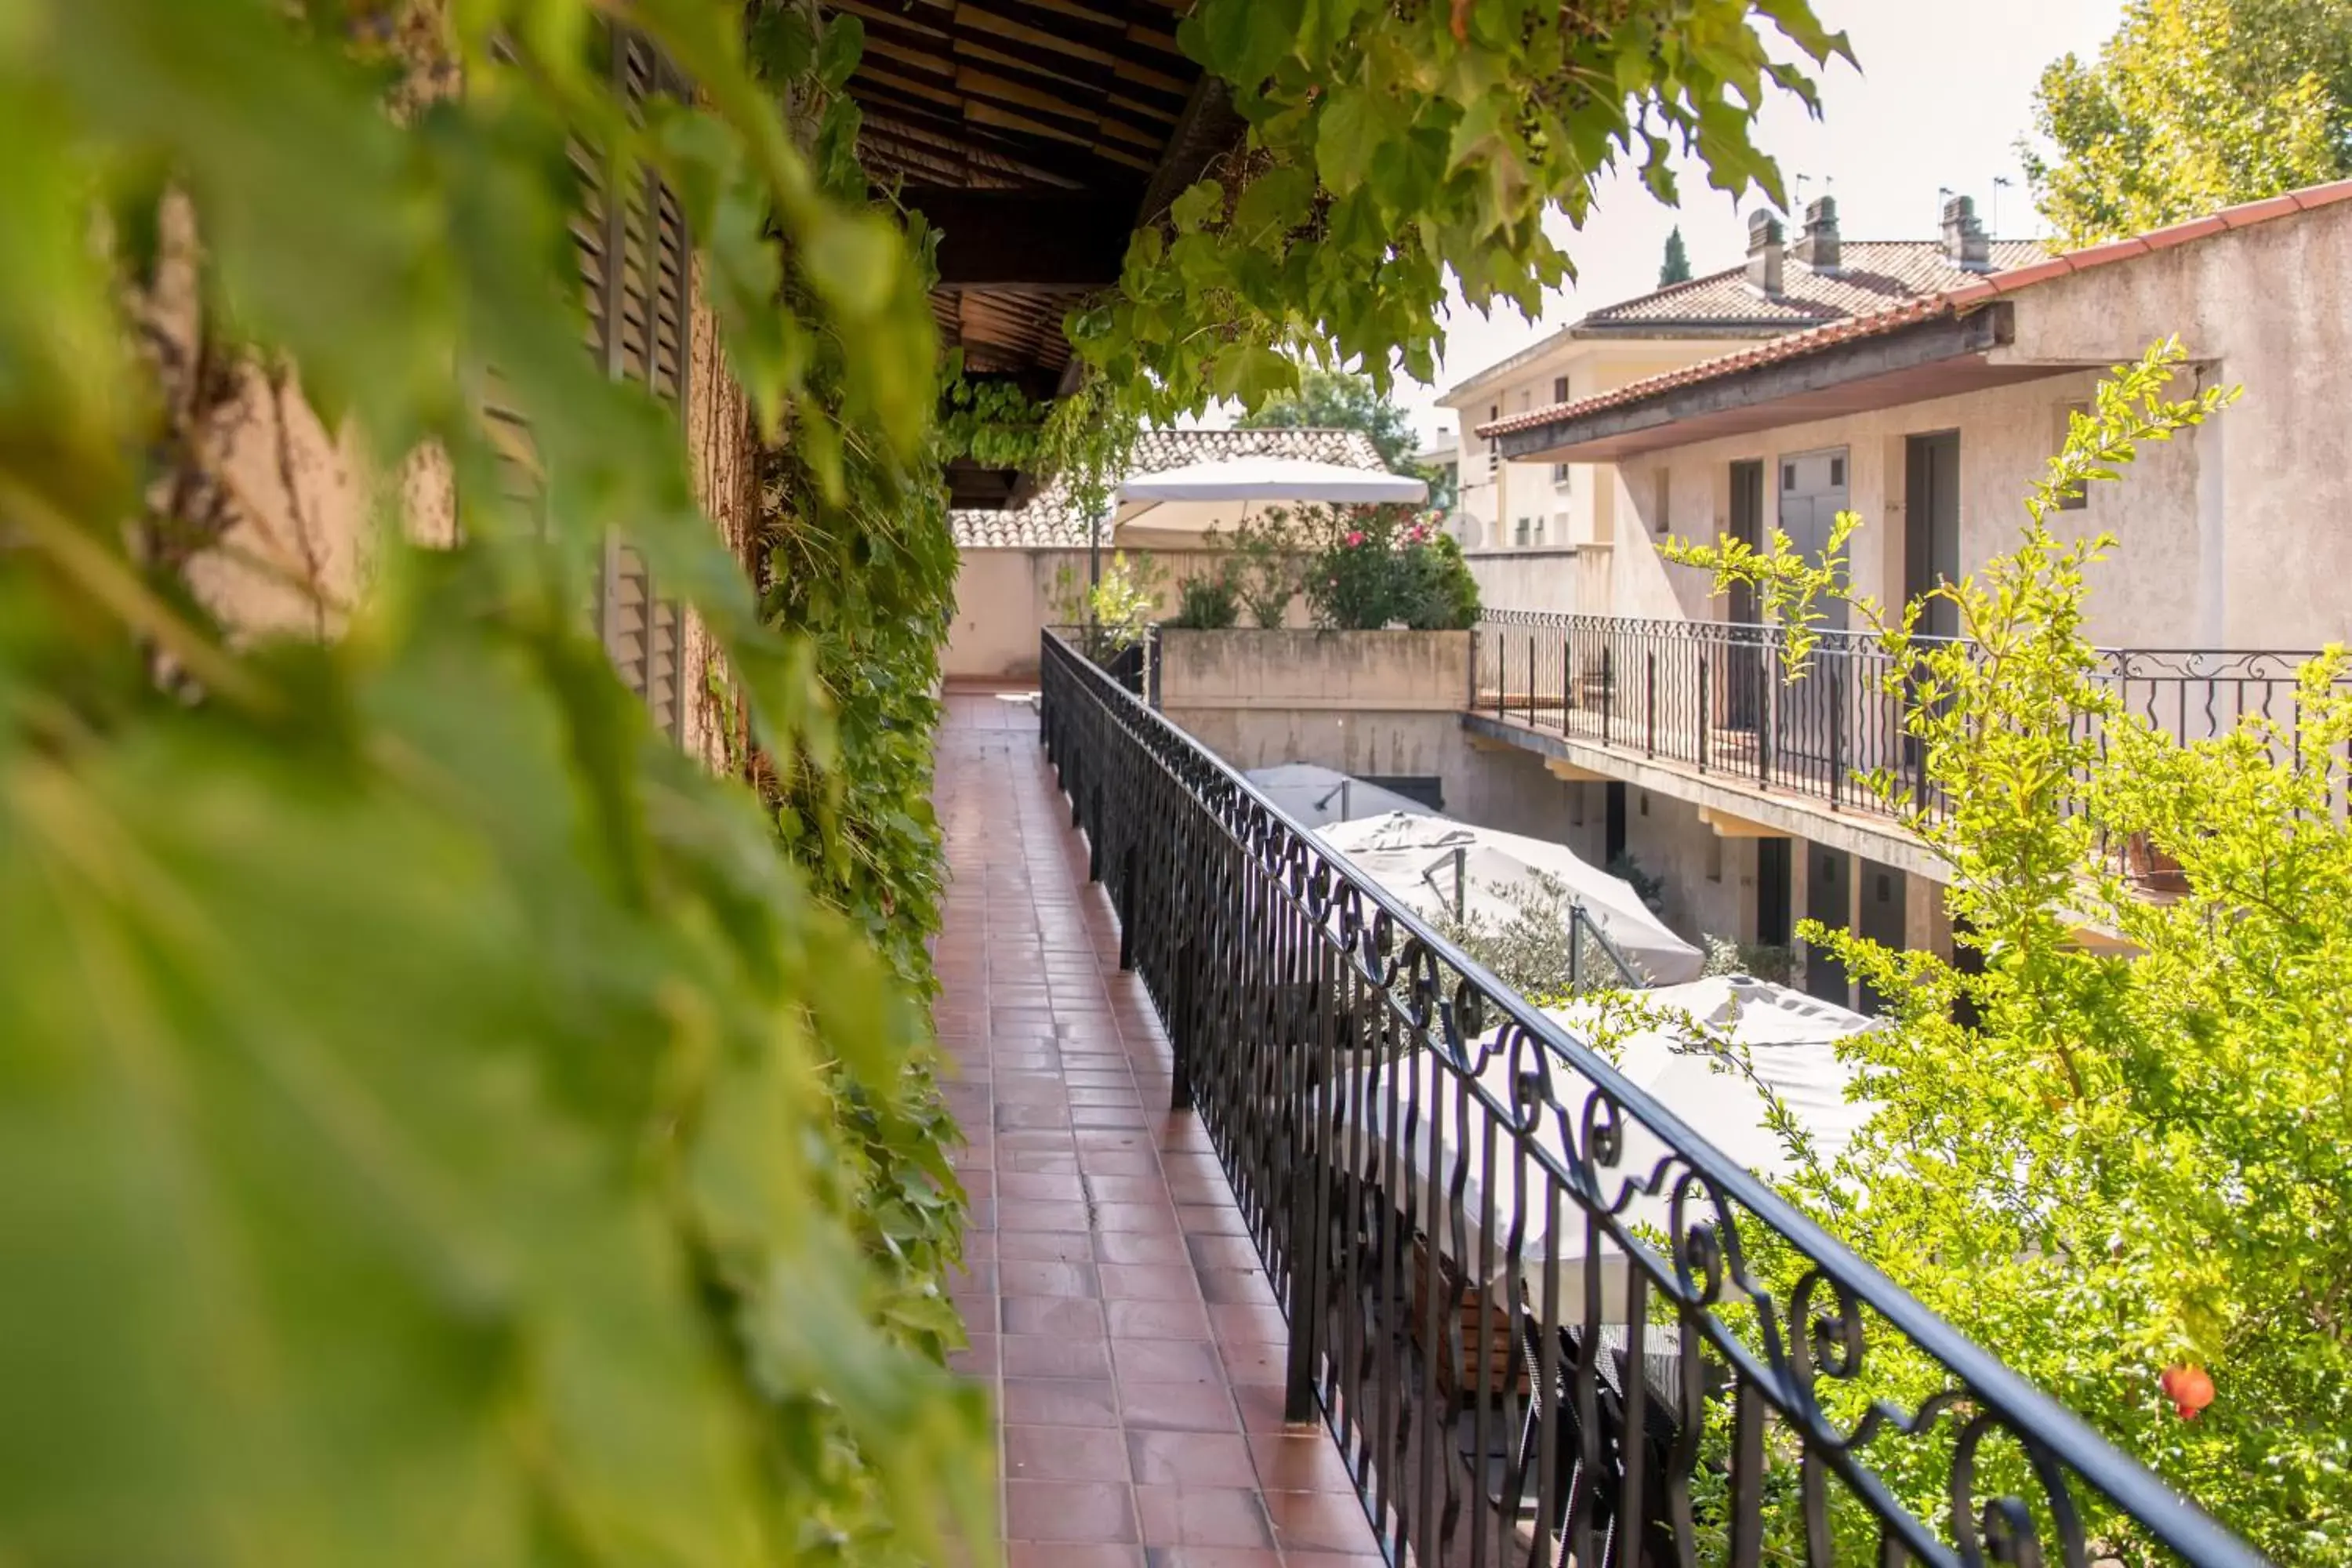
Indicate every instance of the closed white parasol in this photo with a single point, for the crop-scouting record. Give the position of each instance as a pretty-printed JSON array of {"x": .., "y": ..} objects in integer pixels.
[
  {"x": 1179, "y": 508},
  {"x": 1316, "y": 795},
  {"x": 1440, "y": 867},
  {"x": 1410, "y": 1119}
]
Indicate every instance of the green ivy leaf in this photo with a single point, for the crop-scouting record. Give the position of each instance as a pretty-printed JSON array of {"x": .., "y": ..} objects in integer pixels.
[
  {"x": 837, "y": 55},
  {"x": 1251, "y": 372},
  {"x": 1199, "y": 202},
  {"x": 1276, "y": 201},
  {"x": 1349, "y": 131},
  {"x": 853, "y": 260}
]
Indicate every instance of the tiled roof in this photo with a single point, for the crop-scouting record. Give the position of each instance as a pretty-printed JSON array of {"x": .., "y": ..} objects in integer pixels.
[
  {"x": 1871, "y": 275},
  {"x": 1051, "y": 522},
  {"x": 1959, "y": 300}
]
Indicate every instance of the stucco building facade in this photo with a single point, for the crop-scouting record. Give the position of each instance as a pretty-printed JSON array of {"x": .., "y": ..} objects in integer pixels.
[{"x": 1931, "y": 418}]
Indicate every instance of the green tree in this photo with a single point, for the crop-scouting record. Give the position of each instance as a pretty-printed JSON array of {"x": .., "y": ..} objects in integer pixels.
[
  {"x": 1342, "y": 400},
  {"x": 2131, "y": 1177},
  {"x": 1676, "y": 267},
  {"x": 2193, "y": 105}
]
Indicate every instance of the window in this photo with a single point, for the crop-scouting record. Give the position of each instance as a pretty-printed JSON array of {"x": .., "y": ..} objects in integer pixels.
[
  {"x": 1494, "y": 448},
  {"x": 1559, "y": 389},
  {"x": 1521, "y": 531},
  {"x": 1837, "y": 472},
  {"x": 1559, "y": 473},
  {"x": 1663, "y": 503},
  {"x": 2066, "y": 412},
  {"x": 1787, "y": 475}
]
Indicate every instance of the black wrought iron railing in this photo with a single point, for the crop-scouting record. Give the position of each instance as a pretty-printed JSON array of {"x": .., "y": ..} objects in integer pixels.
[
  {"x": 1716, "y": 697},
  {"x": 1547, "y": 1322},
  {"x": 1132, "y": 659}
]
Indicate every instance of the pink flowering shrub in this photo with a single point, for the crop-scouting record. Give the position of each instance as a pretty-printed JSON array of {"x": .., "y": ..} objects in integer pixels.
[{"x": 1380, "y": 565}]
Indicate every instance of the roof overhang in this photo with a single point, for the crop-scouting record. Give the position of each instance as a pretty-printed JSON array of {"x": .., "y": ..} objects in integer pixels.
[{"x": 1938, "y": 357}]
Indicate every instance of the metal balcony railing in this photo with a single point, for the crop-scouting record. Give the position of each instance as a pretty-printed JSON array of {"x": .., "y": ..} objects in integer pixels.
[
  {"x": 1716, "y": 697},
  {"x": 1532, "y": 1304}
]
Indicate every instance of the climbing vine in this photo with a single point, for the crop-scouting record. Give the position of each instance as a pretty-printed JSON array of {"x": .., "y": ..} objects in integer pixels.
[
  {"x": 994, "y": 423},
  {"x": 437, "y": 1126},
  {"x": 1389, "y": 144}
]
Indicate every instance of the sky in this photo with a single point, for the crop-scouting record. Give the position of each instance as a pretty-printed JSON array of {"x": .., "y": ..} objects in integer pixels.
[{"x": 1942, "y": 95}]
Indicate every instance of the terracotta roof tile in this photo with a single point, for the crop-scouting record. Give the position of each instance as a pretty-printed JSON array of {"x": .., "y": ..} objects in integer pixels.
[
  {"x": 1050, "y": 521},
  {"x": 1870, "y": 275},
  {"x": 1953, "y": 300}
]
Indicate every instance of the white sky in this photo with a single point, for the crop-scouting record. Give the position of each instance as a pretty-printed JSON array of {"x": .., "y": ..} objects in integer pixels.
[{"x": 1942, "y": 96}]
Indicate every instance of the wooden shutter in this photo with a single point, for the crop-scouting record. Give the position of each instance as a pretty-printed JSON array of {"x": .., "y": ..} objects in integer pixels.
[{"x": 633, "y": 254}]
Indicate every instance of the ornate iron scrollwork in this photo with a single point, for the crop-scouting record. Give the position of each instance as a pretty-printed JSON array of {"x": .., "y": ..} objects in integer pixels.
[{"x": 1520, "y": 1321}]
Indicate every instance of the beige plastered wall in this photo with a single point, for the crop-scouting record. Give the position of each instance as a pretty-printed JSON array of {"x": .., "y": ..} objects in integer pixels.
[
  {"x": 1529, "y": 579},
  {"x": 1006, "y": 596},
  {"x": 2234, "y": 535},
  {"x": 1585, "y": 508}
]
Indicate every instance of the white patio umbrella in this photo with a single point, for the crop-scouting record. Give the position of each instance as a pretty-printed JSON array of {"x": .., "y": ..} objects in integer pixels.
[
  {"x": 1317, "y": 795},
  {"x": 1439, "y": 868},
  {"x": 1791, "y": 1041},
  {"x": 1186, "y": 502}
]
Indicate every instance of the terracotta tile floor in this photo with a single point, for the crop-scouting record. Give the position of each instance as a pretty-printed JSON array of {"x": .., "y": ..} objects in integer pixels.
[{"x": 1116, "y": 1304}]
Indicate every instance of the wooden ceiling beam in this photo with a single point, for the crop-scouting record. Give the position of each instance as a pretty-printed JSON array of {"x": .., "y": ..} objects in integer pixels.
[
  {"x": 1014, "y": 238},
  {"x": 912, "y": 56},
  {"x": 949, "y": 133},
  {"x": 980, "y": 18},
  {"x": 946, "y": 95},
  {"x": 1012, "y": 94},
  {"x": 980, "y": 112},
  {"x": 1129, "y": 71},
  {"x": 1070, "y": 8},
  {"x": 866, "y": 11},
  {"x": 1142, "y": 111},
  {"x": 968, "y": 48},
  {"x": 1019, "y": 95}
]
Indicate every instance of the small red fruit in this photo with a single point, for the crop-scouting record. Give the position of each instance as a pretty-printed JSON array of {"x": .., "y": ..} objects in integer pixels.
[{"x": 2190, "y": 1389}]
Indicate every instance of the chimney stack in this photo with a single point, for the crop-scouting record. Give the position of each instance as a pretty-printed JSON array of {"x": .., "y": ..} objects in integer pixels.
[
  {"x": 1817, "y": 246},
  {"x": 1964, "y": 244},
  {"x": 1764, "y": 252}
]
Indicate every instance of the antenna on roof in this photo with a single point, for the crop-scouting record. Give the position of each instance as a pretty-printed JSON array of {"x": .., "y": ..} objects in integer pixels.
[{"x": 2000, "y": 183}]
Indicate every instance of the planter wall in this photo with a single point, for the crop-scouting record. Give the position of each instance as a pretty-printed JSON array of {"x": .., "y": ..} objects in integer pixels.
[
  {"x": 1004, "y": 597},
  {"x": 1376, "y": 671},
  {"x": 1374, "y": 704}
]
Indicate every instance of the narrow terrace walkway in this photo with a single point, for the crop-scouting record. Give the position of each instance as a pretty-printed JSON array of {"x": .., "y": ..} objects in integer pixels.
[{"x": 1116, "y": 1303}]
